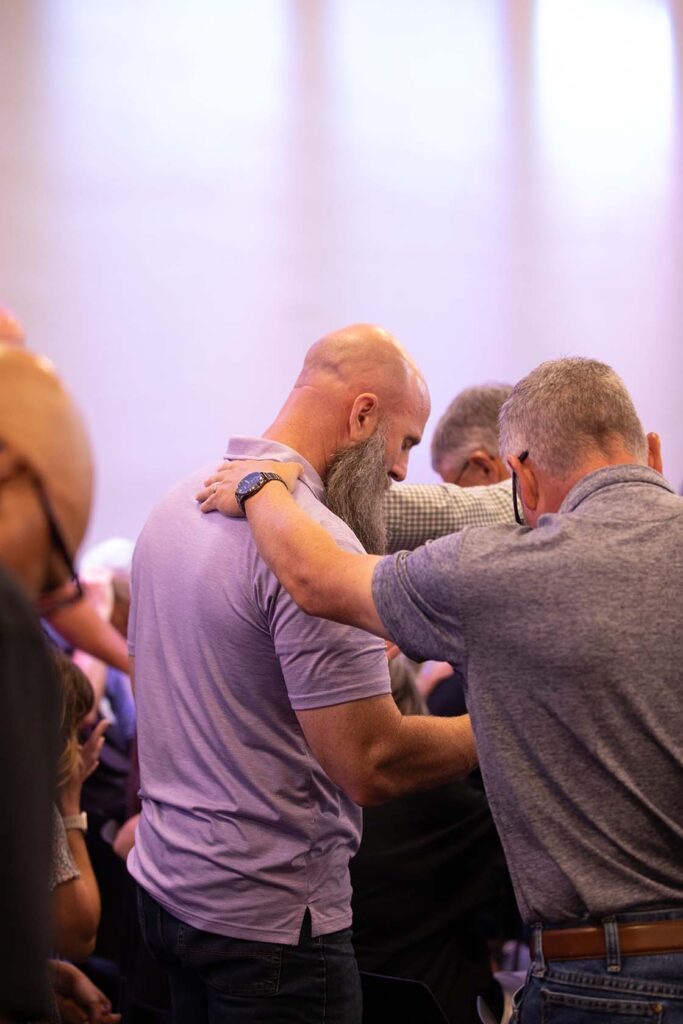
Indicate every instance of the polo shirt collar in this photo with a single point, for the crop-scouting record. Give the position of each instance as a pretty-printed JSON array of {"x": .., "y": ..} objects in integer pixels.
[
  {"x": 607, "y": 477},
  {"x": 264, "y": 448}
]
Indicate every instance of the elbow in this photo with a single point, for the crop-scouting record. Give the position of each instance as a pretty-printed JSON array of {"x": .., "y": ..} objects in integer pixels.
[
  {"x": 75, "y": 930},
  {"x": 307, "y": 595},
  {"x": 77, "y": 944},
  {"x": 370, "y": 790}
]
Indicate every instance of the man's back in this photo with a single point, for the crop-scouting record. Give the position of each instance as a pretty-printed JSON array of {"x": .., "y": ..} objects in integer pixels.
[
  {"x": 570, "y": 636},
  {"x": 241, "y": 829}
]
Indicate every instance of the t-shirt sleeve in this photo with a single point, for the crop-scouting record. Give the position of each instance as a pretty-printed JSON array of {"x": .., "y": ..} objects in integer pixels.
[
  {"x": 417, "y": 600},
  {"x": 63, "y": 866},
  {"x": 325, "y": 663}
]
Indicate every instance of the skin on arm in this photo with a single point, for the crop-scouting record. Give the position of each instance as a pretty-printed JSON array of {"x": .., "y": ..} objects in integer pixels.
[
  {"x": 81, "y": 626},
  {"x": 323, "y": 579},
  {"x": 365, "y": 746},
  {"x": 76, "y": 903},
  {"x": 374, "y": 753}
]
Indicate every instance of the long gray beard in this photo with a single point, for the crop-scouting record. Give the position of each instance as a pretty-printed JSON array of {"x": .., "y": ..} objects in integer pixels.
[{"x": 355, "y": 484}]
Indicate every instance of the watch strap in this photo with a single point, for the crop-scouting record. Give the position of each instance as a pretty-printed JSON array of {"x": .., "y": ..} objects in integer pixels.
[{"x": 79, "y": 821}]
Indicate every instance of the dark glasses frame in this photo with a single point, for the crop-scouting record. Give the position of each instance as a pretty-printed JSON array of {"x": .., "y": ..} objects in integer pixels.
[
  {"x": 46, "y": 603},
  {"x": 519, "y": 518}
]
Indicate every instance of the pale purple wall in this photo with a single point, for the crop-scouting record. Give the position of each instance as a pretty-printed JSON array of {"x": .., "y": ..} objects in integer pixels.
[{"x": 191, "y": 193}]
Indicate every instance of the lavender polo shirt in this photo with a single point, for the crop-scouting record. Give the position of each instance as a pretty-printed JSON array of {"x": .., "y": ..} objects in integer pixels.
[{"x": 241, "y": 829}]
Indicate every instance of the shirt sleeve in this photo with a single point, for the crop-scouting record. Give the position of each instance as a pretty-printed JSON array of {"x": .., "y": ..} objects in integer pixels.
[
  {"x": 325, "y": 663},
  {"x": 416, "y": 513},
  {"x": 417, "y": 599},
  {"x": 63, "y": 866}
]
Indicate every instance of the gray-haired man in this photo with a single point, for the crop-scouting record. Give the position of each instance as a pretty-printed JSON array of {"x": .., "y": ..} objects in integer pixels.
[
  {"x": 568, "y": 631},
  {"x": 465, "y": 454}
]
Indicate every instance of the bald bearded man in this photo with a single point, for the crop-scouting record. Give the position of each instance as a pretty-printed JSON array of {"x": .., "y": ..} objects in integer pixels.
[
  {"x": 45, "y": 477},
  {"x": 259, "y": 726}
]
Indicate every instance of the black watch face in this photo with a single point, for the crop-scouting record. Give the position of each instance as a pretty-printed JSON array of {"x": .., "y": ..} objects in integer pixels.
[{"x": 247, "y": 485}]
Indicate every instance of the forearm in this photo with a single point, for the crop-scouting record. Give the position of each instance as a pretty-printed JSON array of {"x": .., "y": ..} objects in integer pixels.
[
  {"x": 416, "y": 513},
  {"x": 81, "y": 626},
  {"x": 322, "y": 578},
  {"x": 424, "y": 752},
  {"x": 77, "y": 904}
]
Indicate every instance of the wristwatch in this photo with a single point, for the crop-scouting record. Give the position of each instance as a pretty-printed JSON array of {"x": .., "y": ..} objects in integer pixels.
[
  {"x": 79, "y": 821},
  {"x": 251, "y": 484}
]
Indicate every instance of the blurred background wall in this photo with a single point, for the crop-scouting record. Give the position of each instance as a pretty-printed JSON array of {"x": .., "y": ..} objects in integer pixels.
[{"x": 191, "y": 193}]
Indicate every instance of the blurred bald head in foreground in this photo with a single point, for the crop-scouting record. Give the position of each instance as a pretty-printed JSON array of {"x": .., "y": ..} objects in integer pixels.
[{"x": 45, "y": 472}]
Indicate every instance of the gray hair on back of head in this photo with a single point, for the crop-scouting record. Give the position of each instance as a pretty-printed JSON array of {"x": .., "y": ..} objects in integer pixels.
[
  {"x": 566, "y": 410},
  {"x": 469, "y": 422}
]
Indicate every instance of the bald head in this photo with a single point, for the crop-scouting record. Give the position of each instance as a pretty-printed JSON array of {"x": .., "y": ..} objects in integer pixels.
[
  {"x": 11, "y": 331},
  {"x": 360, "y": 358},
  {"x": 41, "y": 431}
]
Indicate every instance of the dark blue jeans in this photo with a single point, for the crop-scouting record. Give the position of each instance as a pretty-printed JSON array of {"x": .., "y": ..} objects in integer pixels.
[
  {"x": 615, "y": 990},
  {"x": 215, "y": 979}
]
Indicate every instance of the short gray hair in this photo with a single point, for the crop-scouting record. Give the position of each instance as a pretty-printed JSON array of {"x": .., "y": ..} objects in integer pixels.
[
  {"x": 566, "y": 410},
  {"x": 469, "y": 422}
]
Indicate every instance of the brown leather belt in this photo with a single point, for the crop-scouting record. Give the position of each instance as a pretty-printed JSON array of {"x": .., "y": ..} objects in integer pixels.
[{"x": 588, "y": 943}]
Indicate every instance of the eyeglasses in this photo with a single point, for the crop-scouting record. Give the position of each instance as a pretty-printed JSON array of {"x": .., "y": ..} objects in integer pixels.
[
  {"x": 518, "y": 515},
  {"x": 48, "y": 602}
]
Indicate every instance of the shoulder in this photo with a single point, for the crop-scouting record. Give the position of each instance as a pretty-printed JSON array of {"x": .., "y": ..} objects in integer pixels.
[{"x": 336, "y": 527}]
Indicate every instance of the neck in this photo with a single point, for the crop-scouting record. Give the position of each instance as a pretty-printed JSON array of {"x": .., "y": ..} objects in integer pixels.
[{"x": 302, "y": 424}]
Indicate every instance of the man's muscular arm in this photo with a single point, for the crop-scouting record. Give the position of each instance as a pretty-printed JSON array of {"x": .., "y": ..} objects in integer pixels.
[{"x": 323, "y": 579}]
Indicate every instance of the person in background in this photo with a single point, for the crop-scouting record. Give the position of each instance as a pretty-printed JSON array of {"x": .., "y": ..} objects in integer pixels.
[
  {"x": 105, "y": 572},
  {"x": 476, "y": 487},
  {"x": 75, "y": 892},
  {"x": 75, "y": 896},
  {"x": 45, "y": 483},
  {"x": 465, "y": 454},
  {"x": 465, "y": 440},
  {"x": 430, "y": 886}
]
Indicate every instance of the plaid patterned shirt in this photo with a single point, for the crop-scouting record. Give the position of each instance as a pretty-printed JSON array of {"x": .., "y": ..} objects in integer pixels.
[{"x": 416, "y": 513}]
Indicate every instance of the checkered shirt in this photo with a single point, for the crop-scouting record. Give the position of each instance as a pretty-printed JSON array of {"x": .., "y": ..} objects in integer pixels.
[{"x": 416, "y": 513}]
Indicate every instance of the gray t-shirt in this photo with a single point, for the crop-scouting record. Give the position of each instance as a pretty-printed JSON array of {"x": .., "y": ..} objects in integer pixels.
[
  {"x": 241, "y": 829},
  {"x": 570, "y": 638}
]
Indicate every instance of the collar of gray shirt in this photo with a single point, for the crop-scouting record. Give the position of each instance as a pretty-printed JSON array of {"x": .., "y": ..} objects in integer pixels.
[{"x": 607, "y": 477}]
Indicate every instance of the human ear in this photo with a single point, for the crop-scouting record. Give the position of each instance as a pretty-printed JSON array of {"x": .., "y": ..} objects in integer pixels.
[
  {"x": 484, "y": 468},
  {"x": 654, "y": 452},
  {"x": 363, "y": 417},
  {"x": 527, "y": 482}
]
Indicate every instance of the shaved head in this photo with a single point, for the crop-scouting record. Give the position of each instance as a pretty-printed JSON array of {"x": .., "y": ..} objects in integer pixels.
[
  {"x": 11, "y": 331},
  {"x": 41, "y": 426},
  {"x": 360, "y": 358}
]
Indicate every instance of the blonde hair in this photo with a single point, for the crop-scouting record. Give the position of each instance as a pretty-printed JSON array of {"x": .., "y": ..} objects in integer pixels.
[{"x": 77, "y": 701}]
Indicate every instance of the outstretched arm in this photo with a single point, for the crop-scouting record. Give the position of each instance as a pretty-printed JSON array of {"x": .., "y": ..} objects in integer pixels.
[
  {"x": 322, "y": 578},
  {"x": 416, "y": 513}
]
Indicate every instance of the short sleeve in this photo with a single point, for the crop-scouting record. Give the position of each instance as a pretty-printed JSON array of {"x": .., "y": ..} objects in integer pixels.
[
  {"x": 325, "y": 663},
  {"x": 416, "y": 598},
  {"x": 63, "y": 867}
]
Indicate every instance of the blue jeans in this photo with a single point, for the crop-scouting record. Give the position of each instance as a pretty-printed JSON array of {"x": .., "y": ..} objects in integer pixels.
[
  {"x": 215, "y": 979},
  {"x": 616, "y": 990}
]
